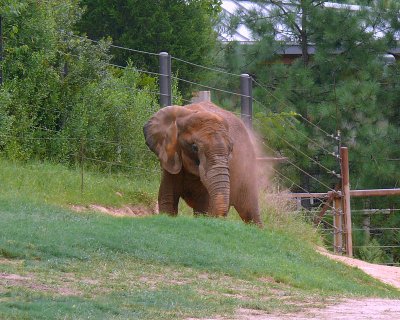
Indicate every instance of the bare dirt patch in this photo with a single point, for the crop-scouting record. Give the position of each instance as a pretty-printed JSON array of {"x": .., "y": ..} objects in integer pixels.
[
  {"x": 12, "y": 277},
  {"x": 125, "y": 211},
  {"x": 12, "y": 262},
  {"x": 8, "y": 280}
]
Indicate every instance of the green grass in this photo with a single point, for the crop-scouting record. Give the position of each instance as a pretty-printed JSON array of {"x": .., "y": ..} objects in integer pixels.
[
  {"x": 90, "y": 265},
  {"x": 55, "y": 184}
]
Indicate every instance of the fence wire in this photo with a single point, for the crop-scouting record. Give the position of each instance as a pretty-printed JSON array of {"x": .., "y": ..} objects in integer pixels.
[
  {"x": 328, "y": 226},
  {"x": 144, "y": 171}
]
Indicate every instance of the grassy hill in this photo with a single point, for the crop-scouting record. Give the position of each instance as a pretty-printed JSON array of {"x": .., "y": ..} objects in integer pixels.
[{"x": 57, "y": 263}]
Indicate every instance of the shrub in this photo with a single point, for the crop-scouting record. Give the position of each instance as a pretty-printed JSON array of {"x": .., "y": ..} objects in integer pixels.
[
  {"x": 61, "y": 100},
  {"x": 106, "y": 122}
]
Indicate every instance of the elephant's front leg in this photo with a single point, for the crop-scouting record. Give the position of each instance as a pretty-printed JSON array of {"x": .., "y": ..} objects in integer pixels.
[
  {"x": 169, "y": 193},
  {"x": 195, "y": 194}
]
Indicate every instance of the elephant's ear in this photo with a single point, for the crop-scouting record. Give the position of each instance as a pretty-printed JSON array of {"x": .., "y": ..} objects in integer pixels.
[{"x": 161, "y": 134}]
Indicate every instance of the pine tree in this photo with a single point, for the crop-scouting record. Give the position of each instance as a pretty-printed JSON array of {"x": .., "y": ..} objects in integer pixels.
[
  {"x": 339, "y": 88},
  {"x": 349, "y": 85}
]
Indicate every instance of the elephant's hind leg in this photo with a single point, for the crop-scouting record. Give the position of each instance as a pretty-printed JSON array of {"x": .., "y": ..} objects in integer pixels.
[
  {"x": 248, "y": 210},
  {"x": 250, "y": 216}
]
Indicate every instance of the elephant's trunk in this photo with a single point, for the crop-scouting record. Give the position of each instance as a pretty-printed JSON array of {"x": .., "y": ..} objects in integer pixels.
[{"x": 218, "y": 187}]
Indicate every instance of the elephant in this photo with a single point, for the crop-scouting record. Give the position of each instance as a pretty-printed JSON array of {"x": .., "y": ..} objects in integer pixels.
[{"x": 207, "y": 159}]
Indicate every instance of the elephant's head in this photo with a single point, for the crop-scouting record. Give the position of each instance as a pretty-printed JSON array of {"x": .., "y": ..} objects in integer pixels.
[{"x": 197, "y": 142}]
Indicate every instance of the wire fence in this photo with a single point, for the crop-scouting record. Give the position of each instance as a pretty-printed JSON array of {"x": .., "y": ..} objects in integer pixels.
[
  {"x": 326, "y": 225},
  {"x": 324, "y": 174}
]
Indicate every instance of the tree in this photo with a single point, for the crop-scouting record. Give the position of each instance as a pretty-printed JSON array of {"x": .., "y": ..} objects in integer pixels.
[
  {"x": 339, "y": 88},
  {"x": 35, "y": 88},
  {"x": 182, "y": 28},
  {"x": 346, "y": 86}
]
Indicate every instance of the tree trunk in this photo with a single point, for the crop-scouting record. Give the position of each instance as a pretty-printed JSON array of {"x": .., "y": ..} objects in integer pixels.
[{"x": 303, "y": 34}]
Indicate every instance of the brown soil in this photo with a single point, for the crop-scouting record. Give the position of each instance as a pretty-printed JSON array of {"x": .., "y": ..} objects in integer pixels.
[
  {"x": 15, "y": 280},
  {"x": 125, "y": 211}
]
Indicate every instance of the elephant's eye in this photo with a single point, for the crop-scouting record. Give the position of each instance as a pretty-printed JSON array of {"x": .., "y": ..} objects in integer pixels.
[{"x": 195, "y": 148}]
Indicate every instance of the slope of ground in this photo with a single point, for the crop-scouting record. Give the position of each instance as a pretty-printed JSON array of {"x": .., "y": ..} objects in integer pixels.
[{"x": 58, "y": 263}]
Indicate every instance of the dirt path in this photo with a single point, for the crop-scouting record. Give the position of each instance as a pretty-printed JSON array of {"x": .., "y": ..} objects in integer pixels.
[
  {"x": 364, "y": 309},
  {"x": 351, "y": 309},
  {"x": 386, "y": 274}
]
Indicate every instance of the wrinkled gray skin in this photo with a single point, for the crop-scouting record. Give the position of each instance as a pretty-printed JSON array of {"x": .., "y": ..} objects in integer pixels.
[{"x": 207, "y": 159}]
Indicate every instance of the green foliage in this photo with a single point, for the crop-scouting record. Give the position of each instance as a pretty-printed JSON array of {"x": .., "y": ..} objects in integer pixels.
[
  {"x": 108, "y": 118},
  {"x": 61, "y": 100},
  {"x": 372, "y": 253},
  {"x": 29, "y": 77},
  {"x": 346, "y": 86},
  {"x": 184, "y": 29}
]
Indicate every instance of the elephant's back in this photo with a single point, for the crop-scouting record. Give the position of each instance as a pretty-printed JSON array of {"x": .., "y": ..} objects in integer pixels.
[
  {"x": 235, "y": 123},
  {"x": 208, "y": 107}
]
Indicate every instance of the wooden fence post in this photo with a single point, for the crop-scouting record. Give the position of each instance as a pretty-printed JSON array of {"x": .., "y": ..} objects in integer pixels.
[
  {"x": 338, "y": 224},
  {"x": 344, "y": 164}
]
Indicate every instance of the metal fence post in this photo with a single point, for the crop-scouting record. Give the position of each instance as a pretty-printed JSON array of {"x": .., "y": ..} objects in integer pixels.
[
  {"x": 246, "y": 100},
  {"x": 1, "y": 51},
  {"x": 165, "y": 80},
  {"x": 82, "y": 159},
  {"x": 344, "y": 164}
]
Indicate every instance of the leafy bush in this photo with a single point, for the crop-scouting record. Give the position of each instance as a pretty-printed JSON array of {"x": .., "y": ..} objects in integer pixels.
[
  {"x": 61, "y": 100},
  {"x": 106, "y": 122}
]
